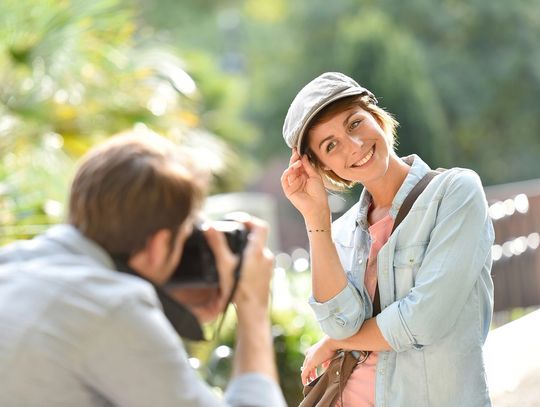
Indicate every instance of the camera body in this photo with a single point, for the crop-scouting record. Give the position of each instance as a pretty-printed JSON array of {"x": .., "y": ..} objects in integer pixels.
[{"x": 197, "y": 266}]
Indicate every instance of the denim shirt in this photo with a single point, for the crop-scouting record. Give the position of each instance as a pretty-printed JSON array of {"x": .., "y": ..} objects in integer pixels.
[{"x": 435, "y": 288}]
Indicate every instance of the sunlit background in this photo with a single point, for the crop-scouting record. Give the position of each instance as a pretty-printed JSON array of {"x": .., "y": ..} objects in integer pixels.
[{"x": 462, "y": 78}]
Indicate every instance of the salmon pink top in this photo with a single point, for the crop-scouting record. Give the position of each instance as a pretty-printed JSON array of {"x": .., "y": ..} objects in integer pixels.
[{"x": 360, "y": 388}]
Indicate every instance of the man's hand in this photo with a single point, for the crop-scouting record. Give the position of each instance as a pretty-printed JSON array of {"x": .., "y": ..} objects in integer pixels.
[
  {"x": 257, "y": 267},
  {"x": 254, "y": 342},
  {"x": 254, "y": 284},
  {"x": 206, "y": 303}
]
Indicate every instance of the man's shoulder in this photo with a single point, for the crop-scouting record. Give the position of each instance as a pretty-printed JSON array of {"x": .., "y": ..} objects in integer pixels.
[
  {"x": 114, "y": 287},
  {"x": 76, "y": 279},
  {"x": 107, "y": 287}
]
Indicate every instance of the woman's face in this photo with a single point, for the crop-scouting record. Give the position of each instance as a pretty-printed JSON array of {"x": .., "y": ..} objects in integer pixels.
[{"x": 352, "y": 144}]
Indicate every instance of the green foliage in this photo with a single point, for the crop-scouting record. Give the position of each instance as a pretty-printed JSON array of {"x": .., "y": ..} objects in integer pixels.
[
  {"x": 460, "y": 76},
  {"x": 75, "y": 72}
]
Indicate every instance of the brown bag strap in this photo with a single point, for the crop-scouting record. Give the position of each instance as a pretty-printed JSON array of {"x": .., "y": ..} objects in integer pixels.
[{"x": 402, "y": 213}]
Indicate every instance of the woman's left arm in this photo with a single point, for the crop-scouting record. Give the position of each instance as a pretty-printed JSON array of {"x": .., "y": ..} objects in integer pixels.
[{"x": 368, "y": 337}]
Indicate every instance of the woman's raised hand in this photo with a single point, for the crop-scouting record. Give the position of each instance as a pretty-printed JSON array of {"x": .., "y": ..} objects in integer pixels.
[{"x": 304, "y": 187}]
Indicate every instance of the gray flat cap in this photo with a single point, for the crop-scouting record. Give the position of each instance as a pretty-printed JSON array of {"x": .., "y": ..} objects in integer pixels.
[{"x": 313, "y": 97}]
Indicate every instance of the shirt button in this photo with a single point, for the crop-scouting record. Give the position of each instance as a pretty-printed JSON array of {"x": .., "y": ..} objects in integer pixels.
[{"x": 360, "y": 261}]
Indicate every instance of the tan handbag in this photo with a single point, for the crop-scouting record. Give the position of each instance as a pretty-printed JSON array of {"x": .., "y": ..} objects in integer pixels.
[{"x": 325, "y": 389}]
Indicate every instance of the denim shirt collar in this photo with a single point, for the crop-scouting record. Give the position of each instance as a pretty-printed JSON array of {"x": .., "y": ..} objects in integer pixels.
[{"x": 418, "y": 169}]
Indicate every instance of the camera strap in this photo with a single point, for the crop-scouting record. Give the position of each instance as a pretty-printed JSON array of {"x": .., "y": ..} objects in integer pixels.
[
  {"x": 180, "y": 317},
  {"x": 236, "y": 276},
  {"x": 402, "y": 213}
]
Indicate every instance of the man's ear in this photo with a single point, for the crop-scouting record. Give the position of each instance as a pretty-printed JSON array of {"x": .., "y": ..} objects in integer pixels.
[
  {"x": 158, "y": 247},
  {"x": 149, "y": 261}
]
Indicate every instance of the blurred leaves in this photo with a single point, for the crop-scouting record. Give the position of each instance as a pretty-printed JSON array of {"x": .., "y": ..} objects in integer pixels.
[
  {"x": 461, "y": 76},
  {"x": 75, "y": 72}
]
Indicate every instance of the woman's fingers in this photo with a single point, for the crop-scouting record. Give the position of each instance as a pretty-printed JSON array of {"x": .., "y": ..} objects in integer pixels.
[
  {"x": 294, "y": 156},
  {"x": 303, "y": 375},
  {"x": 308, "y": 376},
  {"x": 292, "y": 177},
  {"x": 308, "y": 167},
  {"x": 291, "y": 188},
  {"x": 309, "y": 370},
  {"x": 319, "y": 354},
  {"x": 294, "y": 173},
  {"x": 302, "y": 164},
  {"x": 294, "y": 168}
]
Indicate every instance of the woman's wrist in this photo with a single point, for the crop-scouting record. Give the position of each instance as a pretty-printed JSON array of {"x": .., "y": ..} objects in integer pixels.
[
  {"x": 320, "y": 222},
  {"x": 331, "y": 344}
]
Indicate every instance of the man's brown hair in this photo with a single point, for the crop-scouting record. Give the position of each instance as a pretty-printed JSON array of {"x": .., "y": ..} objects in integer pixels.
[{"x": 128, "y": 188}]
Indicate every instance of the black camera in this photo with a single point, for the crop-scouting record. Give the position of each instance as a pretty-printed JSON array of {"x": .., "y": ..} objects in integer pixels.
[{"x": 197, "y": 266}]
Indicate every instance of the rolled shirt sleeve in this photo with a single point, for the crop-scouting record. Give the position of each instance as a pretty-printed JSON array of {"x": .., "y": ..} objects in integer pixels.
[
  {"x": 246, "y": 390},
  {"x": 456, "y": 256},
  {"x": 341, "y": 316}
]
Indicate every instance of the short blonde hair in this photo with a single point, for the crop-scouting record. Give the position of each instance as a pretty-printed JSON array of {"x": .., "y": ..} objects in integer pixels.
[{"x": 387, "y": 122}]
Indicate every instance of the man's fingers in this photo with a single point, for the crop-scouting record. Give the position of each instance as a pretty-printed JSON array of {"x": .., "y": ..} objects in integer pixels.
[
  {"x": 225, "y": 259},
  {"x": 258, "y": 233},
  {"x": 217, "y": 242}
]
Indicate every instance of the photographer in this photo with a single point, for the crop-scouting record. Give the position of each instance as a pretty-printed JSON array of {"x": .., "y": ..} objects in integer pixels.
[{"x": 82, "y": 307}]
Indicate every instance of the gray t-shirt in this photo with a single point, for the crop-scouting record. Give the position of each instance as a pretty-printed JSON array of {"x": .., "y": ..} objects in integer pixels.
[{"x": 75, "y": 332}]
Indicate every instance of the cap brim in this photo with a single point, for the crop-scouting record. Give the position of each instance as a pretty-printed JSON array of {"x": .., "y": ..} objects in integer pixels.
[{"x": 341, "y": 95}]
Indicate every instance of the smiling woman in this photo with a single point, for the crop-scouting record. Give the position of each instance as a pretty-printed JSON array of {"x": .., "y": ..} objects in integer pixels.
[
  {"x": 354, "y": 112},
  {"x": 415, "y": 296}
]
